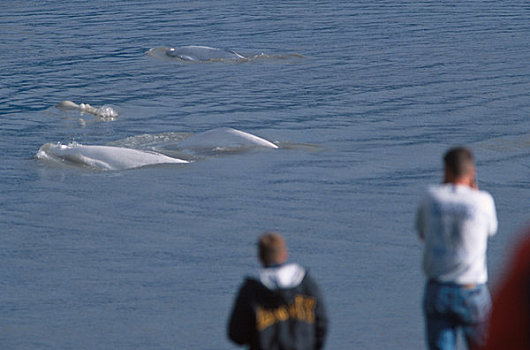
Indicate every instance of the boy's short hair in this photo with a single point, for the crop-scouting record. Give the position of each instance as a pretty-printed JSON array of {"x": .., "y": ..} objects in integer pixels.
[{"x": 271, "y": 247}]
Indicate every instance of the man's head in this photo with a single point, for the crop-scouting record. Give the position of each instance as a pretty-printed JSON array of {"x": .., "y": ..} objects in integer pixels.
[
  {"x": 459, "y": 166},
  {"x": 272, "y": 249}
]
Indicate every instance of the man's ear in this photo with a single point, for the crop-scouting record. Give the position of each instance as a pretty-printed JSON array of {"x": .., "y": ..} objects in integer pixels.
[
  {"x": 473, "y": 178},
  {"x": 285, "y": 256}
]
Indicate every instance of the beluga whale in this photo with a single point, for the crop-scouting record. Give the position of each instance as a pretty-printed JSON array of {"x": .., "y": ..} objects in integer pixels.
[
  {"x": 104, "y": 113},
  {"x": 203, "y": 53},
  {"x": 223, "y": 140},
  {"x": 117, "y": 157},
  {"x": 103, "y": 157},
  {"x": 197, "y": 54}
]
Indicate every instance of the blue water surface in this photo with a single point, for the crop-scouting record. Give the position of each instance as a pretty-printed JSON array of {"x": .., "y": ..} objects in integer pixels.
[{"x": 151, "y": 258}]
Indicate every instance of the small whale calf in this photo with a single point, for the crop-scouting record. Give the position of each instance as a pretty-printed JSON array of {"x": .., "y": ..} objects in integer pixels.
[
  {"x": 203, "y": 53},
  {"x": 122, "y": 158},
  {"x": 104, "y": 113}
]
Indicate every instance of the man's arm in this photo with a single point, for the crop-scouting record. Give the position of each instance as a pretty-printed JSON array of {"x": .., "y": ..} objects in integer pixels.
[
  {"x": 321, "y": 323},
  {"x": 239, "y": 330},
  {"x": 420, "y": 223},
  {"x": 492, "y": 216},
  {"x": 321, "y": 318}
]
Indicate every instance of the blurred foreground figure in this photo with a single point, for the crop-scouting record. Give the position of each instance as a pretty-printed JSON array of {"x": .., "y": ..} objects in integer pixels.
[
  {"x": 454, "y": 221},
  {"x": 509, "y": 326},
  {"x": 280, "y": 309}
]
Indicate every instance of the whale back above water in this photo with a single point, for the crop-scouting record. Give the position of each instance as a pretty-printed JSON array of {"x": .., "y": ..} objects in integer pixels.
[
  {"x": 203, "y": 53},
  {"x": 103, "y": 157},
  {"x": 223, "y": 139},
  {"x": 121, "y": 158}
]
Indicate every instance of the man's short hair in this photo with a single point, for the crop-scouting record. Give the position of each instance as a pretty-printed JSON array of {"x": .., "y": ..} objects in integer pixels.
[
  {"x": 271, "y": 247},
  {"x": 459, "y": 161}
]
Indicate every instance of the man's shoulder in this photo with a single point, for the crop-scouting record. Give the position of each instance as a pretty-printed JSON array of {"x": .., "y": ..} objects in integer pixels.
[
  {"x": 442, "y": 190},
  {"x": 485, "y": 195},
  {"x": 433, "y": 192},
  {"x": 250, "y": 288},
  {"x": 436, "y": 190},
  {"x": 251, "y": 282},
  {"x": 480, "y": 197},
  {"x": 310, "y": 284}
]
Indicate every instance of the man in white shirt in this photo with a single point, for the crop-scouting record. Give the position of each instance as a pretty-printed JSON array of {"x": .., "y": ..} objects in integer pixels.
[{"x": 454, "y": 220}]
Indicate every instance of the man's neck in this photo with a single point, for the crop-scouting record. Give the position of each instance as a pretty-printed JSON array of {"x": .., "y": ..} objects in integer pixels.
[
  {"x": 458, "y": 182},
  {"x": 275, "y": 265}
]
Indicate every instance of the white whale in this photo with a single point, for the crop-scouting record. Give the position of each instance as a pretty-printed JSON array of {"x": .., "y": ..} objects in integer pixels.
[
  {"x": 203, "y": 53},
  {"x": 223, "y": 139},
  {"x": 103, "y": 157},
  {"x": 120, "y": 158},
  {"x": 103, "y": 113}
]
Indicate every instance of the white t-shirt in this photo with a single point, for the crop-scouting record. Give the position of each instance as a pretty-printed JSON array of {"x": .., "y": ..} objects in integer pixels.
[{"x": 455, "y": 222}]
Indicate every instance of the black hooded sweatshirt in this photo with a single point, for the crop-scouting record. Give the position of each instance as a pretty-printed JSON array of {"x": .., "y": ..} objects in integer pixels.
[{"x": 282, "y": 310}]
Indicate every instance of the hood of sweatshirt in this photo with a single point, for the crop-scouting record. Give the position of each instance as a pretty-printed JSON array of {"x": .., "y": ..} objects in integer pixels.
[{"x": 282, "y": 277}]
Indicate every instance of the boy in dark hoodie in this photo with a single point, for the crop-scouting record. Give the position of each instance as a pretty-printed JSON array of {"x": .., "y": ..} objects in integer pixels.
[{"x": 282, "y": 308}]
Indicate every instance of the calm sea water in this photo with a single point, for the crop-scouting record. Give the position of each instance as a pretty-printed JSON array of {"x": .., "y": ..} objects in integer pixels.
[{"x": 151, "y": 258}]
